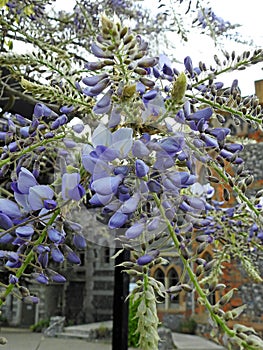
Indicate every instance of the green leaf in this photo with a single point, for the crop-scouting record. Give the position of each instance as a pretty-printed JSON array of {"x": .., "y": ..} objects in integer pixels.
[{"x": 3, "y": 3}]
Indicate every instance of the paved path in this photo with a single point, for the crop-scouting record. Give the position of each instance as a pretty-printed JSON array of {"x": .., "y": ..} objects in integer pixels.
[
  {"x": 193, "y": 342},
  {"x": 25, "y": 340},
  {"x": 21, "y": 339}
]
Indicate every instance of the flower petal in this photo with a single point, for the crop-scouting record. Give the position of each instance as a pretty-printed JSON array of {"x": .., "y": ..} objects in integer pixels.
[{"x": 117, "y": 220}]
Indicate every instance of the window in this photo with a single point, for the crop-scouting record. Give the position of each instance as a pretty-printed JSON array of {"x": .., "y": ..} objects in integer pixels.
[
  {"x": 106, "y": 255},
  {"x": 173, "y": 279},
  {"x": 168, "y": 278},
  {"x": 159, "y": 276}
]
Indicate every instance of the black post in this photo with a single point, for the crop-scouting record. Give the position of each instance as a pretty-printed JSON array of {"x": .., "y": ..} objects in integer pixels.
[{"x": 120, "y": 306}]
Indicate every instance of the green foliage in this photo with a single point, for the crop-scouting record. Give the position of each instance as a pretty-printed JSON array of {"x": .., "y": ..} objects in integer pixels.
[
  {"x": 133, "y": 337},
  {"x": 39, "y": 326},
  {"x": 188, "y": 326},
  {"x": 3, "y": 321}
]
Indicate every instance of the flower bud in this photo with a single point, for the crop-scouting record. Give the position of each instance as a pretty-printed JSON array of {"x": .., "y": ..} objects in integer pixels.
[
  {"x": 147, "y": 62},
  {"x": 226, "y": 298},
  {"x": 147, "y": 82},
  {"x": 186, "y": 288},
  {"x": 175, "y": 289}
]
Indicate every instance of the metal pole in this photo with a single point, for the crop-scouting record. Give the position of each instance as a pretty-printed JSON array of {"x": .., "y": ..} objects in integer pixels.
[{"x": 120, "y": 306}]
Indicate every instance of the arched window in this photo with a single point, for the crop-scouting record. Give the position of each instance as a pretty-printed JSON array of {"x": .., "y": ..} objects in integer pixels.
[
  {"x": 173, "y": 279},
  {"x": 159, "y": 276}
]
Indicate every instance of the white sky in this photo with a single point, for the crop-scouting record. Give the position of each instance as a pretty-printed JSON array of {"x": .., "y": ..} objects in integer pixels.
[{"x": 200, "y": 47}]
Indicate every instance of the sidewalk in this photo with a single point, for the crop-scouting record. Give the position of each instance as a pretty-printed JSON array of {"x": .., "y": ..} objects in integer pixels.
[
  {"x": 22, "y": 339},
  {"x": 194, "y": 342}
]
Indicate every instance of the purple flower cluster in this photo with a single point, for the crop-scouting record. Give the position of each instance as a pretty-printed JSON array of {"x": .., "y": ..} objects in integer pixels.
[
  {"x": 208, "y": 19},
  {"x": 137, "y": 66},
  {"x": 22, "y": 221},
  {"x": 127, "y": 172},
  {"x": 20, "y": 133}
]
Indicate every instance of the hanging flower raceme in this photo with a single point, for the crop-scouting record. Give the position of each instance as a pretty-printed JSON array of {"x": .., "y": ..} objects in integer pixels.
[
  {"x": 126, "y": 172},
  {"x": 134, "y": 49}
]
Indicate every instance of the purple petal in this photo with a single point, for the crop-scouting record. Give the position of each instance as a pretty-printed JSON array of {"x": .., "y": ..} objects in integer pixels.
[
  {"x": 107, "y": 185},
  {"x": 66, "y": 109},
  {"x": 78, "y": 128},
  {"x": 41, "y": 110},
  {"x": 25, "y": 180},
  {"x": 91, "y": 81},
  {"x": 210, "y": 141},
  {"x": 205, "y": 114},
  {"x": 122, "y": 169},
  {"x": 154, "y": 186},
  {"x": 117, "y": 220},
  {"x": 49, "y": 203},
  {"x": 24, "y": 231},
  {"x": 69, "y": 183},
  {"x": 55, "y": 235},
  {"x": 115, "y": 118},
  {"x": 196, "y": 203},
  {"x": 41, "y": 278},
  {"x": 141, "y": 169},
  {"x": 6, "y": 238},
  {"x": 57, "y": 255},
  {"x": 145, "y": 259},
  {"x": 105, "y": 100},
  {"x": 219, "y": 133},
  {"x": 234, "y": 147},
  {"x": 79, "y": 241},
  {"x": 188, "y": 64},
  {"x": 135, "y": 230},
  {"x": 13, "y": 279},
  {"x": 22, "y": 200},
  {"x": 101, "y": 136},
  {"x": 131, "y": 204},
  {"x": 122, "y": 141},
  {"x": 150, "y": 95},
  {"x": 139, "y": 149},
  {"x": 56, "y": 277},
  {"x": 140, "y": 87},
  {"x": 76, "y": 193},
  {"x": 55, "y": 124},
  {"x": 97, "y": 89},
  {"x": 154, "y": 224},
  {"x": 22, "y": 120},
  {"x": 71, "y": 256},
  {"x": 98, "y": 52},
  {"x": 173, "y": 145},
  {"x": 5, "y": 221},
  {"x": 41, "y": 248},
  {"x": 167, "y": 70},
  {"x": 69, "y": 143},
  {"x": 24, "y": 131},
  {"x": 37, "y": 195}
]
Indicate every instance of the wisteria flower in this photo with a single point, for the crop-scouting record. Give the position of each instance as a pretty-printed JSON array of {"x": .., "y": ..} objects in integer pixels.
[{"x": 71, "y": 187}]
